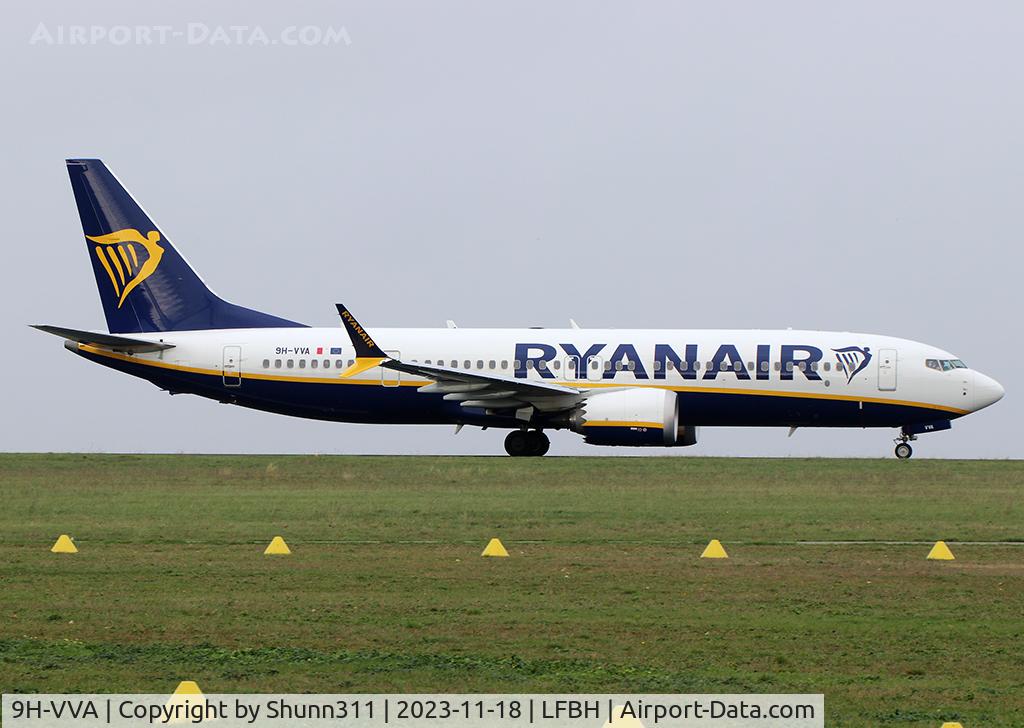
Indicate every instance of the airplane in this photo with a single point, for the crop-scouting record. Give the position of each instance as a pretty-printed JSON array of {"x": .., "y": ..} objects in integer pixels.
[{"x": 625, "y": 387}]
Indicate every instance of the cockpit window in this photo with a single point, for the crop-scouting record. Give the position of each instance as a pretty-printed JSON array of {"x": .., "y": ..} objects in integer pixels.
[{"x": 944, "y": 365}]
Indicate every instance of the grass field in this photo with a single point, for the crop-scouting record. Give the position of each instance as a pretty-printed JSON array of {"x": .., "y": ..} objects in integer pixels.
[{"x": 385, "y": 589}]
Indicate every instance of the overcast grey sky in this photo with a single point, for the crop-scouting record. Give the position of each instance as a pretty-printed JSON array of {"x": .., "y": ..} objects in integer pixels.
[{"x": 850, "y": 166}]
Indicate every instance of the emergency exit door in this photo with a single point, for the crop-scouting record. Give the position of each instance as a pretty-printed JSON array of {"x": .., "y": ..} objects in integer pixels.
[{"x": 886, "y": 370}]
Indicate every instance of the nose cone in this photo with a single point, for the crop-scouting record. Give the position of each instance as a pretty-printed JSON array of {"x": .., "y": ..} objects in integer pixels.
[{"x": 986, "y": 391}]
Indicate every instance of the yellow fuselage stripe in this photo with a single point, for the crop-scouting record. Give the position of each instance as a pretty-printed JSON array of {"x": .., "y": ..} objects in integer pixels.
[
  {"x": 623, "y": 423},
  {"x": 581, "y": 384}
]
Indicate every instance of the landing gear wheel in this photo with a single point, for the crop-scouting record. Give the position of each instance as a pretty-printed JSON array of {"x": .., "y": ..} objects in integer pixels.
[
  {"x": 904, "y": 451},
  {"x": 521, "y": 443},
  {"x": 517, "y": 443},
  {"x": 539, "y": 443}
]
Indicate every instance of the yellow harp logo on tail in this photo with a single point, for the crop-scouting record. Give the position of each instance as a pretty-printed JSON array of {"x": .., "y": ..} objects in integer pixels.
[{"x": 119, "y": 254}]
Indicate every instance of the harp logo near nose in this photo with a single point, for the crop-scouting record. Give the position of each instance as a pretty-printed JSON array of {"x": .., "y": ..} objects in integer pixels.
[
  {"x": 128, "y": 257},
  {"x": 852, "y": 360}
]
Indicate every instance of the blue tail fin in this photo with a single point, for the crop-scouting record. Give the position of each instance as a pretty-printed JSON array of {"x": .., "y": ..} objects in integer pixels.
[{"x": 145, "y": 285}]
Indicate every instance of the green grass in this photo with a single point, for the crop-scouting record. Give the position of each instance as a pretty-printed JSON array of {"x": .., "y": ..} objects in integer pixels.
[{"x": 386, "y": 591}]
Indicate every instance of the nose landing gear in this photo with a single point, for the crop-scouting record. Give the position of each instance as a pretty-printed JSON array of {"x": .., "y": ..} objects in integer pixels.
[
  {"x": 903, "y": 448},
  {"x": 526, "y": 443}
]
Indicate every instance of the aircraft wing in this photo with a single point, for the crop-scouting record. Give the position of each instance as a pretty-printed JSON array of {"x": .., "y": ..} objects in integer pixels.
[
  {"x": 489, "y": 391},
  {"x": 469, "y": 388},
  {"x": 106, "y": 341}
]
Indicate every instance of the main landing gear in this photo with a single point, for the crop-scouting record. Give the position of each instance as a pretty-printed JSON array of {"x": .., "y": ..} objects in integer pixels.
[
  {"x": 526, "y": 443},
  {"x": 903, "y": 448}
]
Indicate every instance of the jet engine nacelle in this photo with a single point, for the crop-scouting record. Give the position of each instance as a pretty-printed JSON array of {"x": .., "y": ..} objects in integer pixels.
[{"x": 638, "y": 416}]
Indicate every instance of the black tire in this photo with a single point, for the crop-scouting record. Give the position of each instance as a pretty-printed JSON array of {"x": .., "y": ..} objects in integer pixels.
[
  {"x": 904, "y": 451},
  {"x": 539, "y": 444},
  {"x": 517, "y": 443}
]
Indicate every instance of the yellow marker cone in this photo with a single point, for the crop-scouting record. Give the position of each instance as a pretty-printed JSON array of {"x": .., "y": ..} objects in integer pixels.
[
  {"x": 186, "y": 694},
  {"x": 188, "y": 687},
  {"x": 277, "y": 546},
  {"x": 494, "y": 548},
  {"x": 714, "y": 550},
  {"x": 64, "y": 545},
  {"x": 940, "y": 552}
]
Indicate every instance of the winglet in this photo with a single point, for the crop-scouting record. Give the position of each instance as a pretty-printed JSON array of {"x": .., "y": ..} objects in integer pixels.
[{"x": 368, "y": 354}]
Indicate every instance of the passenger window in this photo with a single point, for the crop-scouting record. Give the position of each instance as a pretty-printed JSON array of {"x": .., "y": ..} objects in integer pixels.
[
  {"x": 455, "y": 364},
  {"x": 814, "y": 366},
  {"x": 340, "y": 364},
  {"x": 291, "y": 363},
  {"x": 696, "y": 366},
  {"x": 684, "y": 366},
  {"x": 327, "y": 363},
  {"x": 479, "y": 363},
  {"x": 828, "y": 366},
  {"x": 504, "y": 363},
  {"x": 750, "y": 366},
  {"x": 738, "y": 366},
  {"x": 277, "y": 363},
  {"x": 618, "y": 366},
  {"x": 631, "y": 366},
  {"x": 266, "y": 363},
  {"x": 557, "y": 364},
  {"x": 491, "y": 364},
  {"x": 351, "y": 362},
  {"x": 516, "y": 363},
  {"x": 657, "y": 365},
  {"x": 314, "y": 364},
  {"x": 529, "y": 363},
  {"x": 607, "y": 366},
  {"x": 467, "y": 364},
  {"x": 427, "y": 361},
  {"x": 789, "y": 366},
  {"x": 302, "y": 363},
  {"x": 542, "y": 364},
  {"x": 778, "y": 366},
  {"x": 764, "y": 366}
]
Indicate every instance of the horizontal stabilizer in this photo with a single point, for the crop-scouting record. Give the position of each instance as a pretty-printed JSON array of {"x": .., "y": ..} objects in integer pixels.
[{"x": 106, "y": 341}]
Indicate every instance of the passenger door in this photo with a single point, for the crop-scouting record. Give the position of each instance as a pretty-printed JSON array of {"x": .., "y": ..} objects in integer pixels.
[
  {"x": 887, "y": 370},
  {"x": 231, "y": 366}
]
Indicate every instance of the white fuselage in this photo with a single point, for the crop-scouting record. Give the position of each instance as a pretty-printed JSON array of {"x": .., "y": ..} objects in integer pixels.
[{"x": 809, "y": 377}]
